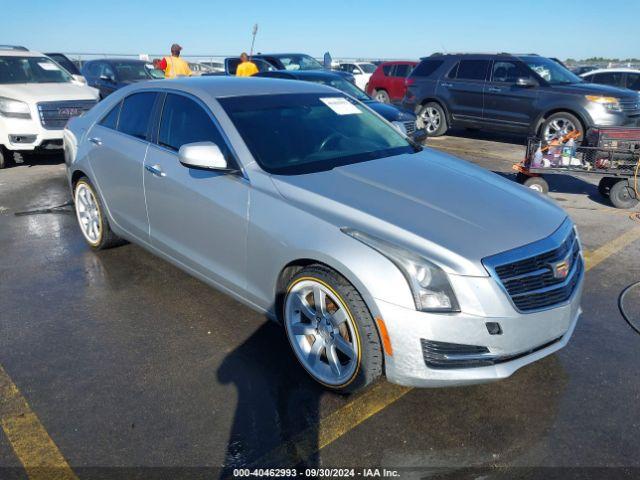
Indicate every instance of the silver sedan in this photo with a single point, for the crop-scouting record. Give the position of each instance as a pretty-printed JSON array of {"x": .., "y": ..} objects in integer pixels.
[{"x": 378, "y": 256}]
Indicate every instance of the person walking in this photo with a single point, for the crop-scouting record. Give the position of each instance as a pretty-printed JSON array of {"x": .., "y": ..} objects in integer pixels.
[
  {"x": 174, "y": 66},
  {"x": 246, "y": 67}
]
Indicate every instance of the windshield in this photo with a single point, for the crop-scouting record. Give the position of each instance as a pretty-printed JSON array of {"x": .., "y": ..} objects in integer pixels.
[
  {"x": 342, "y": 85},
  {"x": 31, "y": 70},
  {"x": 367, "y": 67},
  {"x": 552, "y": 72},
  {"x": 133, "y": 71},
  {"x": 303, "y": 133},
  {"x": 299, "y": 62}
]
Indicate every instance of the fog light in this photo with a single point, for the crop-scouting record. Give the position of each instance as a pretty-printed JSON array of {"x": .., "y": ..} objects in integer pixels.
[{"x": 494, "y": 328}]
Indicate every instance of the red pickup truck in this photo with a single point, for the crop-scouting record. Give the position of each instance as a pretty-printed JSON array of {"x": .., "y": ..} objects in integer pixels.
[{"x": 386, "y": 84}]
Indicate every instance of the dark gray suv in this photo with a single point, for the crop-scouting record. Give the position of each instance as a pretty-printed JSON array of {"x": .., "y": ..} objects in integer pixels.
[{"x": 519, "y": 93}]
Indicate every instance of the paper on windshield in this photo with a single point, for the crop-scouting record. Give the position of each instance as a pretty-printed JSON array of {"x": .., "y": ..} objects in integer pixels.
[
  {"x": 52, "y": 67},
  {"x": 149, "y": 66},
  {"x": 340, "y": 105}
]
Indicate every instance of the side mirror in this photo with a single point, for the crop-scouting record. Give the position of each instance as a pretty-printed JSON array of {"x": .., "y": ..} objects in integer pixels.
[
  {"x": 355, "y": 71},
  {"x": 79, "y": 79},
  {"x": 203, "y": 156},
  {"x": 526, "y": 82},
  {"x": 107, "y": 78}
]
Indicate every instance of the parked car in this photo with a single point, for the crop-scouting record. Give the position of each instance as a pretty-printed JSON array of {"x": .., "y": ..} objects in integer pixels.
[
  {"x": 584, "y": 69},
  {"x": 66, "y": 63},
  {"x": 199, "y": 69},
  {"x": 615, "y": 77},
  {"x": 297, "y": 61},
  {"x": 111, "y": 74},
  {"x": 377, "y": 256},
  {"x": 402, "y": 120},
  {"x": 37, "y": 97},
  {"x": 387, "y": 84},
  {"x": 361, "y": 71},
  {"x": 519, "y": 93},
  {"x": 231, "y": 65},
  {"x": 214, "y": 66}
]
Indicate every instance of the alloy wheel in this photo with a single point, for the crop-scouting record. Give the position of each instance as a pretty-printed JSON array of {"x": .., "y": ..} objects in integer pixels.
[
  {"x": 322, "y": 332},
  {"x": 431, "y": 119},
  {"x": 558, "y": 128},
  {"x": 88, "y": 214}
]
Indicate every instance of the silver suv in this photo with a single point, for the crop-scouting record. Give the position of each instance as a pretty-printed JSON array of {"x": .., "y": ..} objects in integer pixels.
[{"x": 377, "y": 255}]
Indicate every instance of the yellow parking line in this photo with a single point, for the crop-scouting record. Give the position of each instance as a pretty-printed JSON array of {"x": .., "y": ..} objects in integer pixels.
[
  {"x": 381, "y": 395},
  {"x": 30, "y": 441}
]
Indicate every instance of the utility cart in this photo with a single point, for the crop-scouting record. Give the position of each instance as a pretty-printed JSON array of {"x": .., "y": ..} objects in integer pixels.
[{"x": 611, "y": 154}]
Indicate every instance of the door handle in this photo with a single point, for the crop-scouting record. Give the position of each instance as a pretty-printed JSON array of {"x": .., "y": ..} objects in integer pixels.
[
  {"x": 96, "y": 141},
  {"x": 155, "y": 170},
  {"x": 494, "y": 89},
  {"x": 447, "y": 84}
]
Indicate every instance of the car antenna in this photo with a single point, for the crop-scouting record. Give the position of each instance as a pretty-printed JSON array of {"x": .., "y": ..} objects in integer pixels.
[{"x": 254, "y": 31}]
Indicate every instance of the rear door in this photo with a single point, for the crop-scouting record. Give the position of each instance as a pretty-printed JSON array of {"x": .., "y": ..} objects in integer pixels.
[
  {"x": 197, "y": 217},
  {"x": 118, "y": 149},
  {"x": 462, "y": 89},
  {"x": 398, "y": 75},
  {"x": 505, "y": 103}
]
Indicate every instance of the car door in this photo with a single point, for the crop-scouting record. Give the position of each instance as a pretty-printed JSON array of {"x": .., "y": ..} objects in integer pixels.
[
  {"x": 462, "y": 89},
  {"x": 117, "y": 159},
  {"x": 197, "y": 217},
  {"x": 398, "y": 75},
  {"x": 506, "y": 103}
]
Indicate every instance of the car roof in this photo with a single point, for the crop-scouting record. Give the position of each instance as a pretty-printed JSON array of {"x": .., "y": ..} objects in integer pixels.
[
  {"x": 20, "y": 53},
  {"x": 116, "y": 60},
  {"x": 303, "y": 74},
  {"x": 225, "y": 86},
  {"x": 612, "y": 70},
  {"x": 399, "y": 62}
]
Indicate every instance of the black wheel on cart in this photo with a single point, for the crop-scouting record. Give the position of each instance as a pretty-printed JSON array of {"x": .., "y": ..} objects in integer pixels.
[
  {"x": 604, "y": 187},
  {"x": 538, "y": 184},
  {"x": 622, "y": 195}
]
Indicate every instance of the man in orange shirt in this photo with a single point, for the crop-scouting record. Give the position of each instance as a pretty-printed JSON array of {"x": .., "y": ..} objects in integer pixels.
[{"x": 246, "y": 67}]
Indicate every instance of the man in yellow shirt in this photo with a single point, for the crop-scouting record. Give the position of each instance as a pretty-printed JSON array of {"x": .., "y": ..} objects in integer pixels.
[
  {"x": 246, "y": 67},
  {"x": 174, "y": 66}
]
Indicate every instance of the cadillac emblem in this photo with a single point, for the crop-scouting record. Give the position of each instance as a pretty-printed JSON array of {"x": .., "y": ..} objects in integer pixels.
[{"x": 561, "y": 269}]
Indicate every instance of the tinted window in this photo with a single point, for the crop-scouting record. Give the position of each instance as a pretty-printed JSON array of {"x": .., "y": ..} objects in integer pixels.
[
  {"x": 135, "y": 114},
  {"x": 110, "y": 120},
  {"x": 386, "y": 69},
  {"x": 609, "y": 78},
  {"x": 633, "y": 81},
  {"x": 402, "y": 71},
  {"x": 509, "y": 72},
  {"x": 426, "y": 68},
  {"x": 302, "y": 133},
  {"x": 472, "y": 70},
  {"x": 184, "y": 121}
]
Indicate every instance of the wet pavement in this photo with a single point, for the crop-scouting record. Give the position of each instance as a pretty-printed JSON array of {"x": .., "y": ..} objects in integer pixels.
[{"x": 129, "y": 362}]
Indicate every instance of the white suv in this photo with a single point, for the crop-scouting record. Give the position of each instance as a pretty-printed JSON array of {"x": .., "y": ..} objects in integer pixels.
[{"x": 37, "y": 97}]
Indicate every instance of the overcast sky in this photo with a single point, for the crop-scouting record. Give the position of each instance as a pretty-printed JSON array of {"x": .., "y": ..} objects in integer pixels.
[{"x": 346, "y": 28}]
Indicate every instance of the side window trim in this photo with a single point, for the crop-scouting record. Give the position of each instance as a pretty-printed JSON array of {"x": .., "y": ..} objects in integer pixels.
[
  {"x": 208, "y": 111},
  {"x": 149, "y": 132},
  {"x": 119, "y": 107}
]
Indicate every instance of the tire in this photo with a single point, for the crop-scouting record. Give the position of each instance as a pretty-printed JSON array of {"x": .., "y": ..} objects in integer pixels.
[
  {"x": 90, "y": 210},
  {"x": 6, "y": 157},
  {"x": 351, "y": 330},
  {"x": 381, "y": 96},
  {"x": 605, "y": 184},
  {"x": 538, "y": 184},
  {"x": 622, "y": 195},
  {"x": 434, "y": 119},
  {"x": 559, "y": 124}
]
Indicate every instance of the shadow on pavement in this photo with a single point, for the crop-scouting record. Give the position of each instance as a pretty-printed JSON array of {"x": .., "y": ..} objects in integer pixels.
[{"x": 488, "y": 135}]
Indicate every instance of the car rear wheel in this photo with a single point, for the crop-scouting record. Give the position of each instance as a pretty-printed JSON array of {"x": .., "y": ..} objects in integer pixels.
[
  {"x": 433, "y": 118},
  {"x": 331, "y": 331},
  {"x": 92, "y": 218},
  {"x": 560, "y": 125},
  {"x": 381, "y": 96}
]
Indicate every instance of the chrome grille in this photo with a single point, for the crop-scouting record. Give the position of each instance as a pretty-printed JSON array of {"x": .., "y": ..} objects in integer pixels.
[
  {"x": 410, "y": 127},
  {"x": 630, "y": 106},
  {"x": 55, "y": 115},
  {"x": 542, "y": 280}
]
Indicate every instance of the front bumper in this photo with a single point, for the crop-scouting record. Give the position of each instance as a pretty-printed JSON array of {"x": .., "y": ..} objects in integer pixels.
[
  {"x": 28, "y": 135},
  {"x": 525, "y": 338},
  {"x": 603, "y": 118}
]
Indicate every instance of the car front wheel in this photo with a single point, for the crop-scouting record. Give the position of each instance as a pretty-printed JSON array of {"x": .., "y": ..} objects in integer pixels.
[
  {"x": 331, "y": 331},
  {"x": 561, "y": 124},
  {"x": 381, "y": 96}
]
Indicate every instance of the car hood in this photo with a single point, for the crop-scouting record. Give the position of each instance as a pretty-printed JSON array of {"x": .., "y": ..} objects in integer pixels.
[
  {"x": 596, "y": 89},
  {"x": 389, "y": 112},
  {"x": 47, "y": 92},
  {"x": 449, "y": 210}
]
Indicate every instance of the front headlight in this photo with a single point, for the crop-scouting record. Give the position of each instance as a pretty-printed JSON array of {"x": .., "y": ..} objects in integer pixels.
[
  {"x": 609, "y": 103},
  {"x": 429, "y": 284},
  {"x": 14, "y": 108}
]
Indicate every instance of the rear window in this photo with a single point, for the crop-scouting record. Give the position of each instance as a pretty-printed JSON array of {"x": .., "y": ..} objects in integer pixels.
[
  {"x": 136, "y": 113},
  {"x": 427, "y": 67},
  {"x": 472, "y": 70},
  {"x": 110, "y": 120}
]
